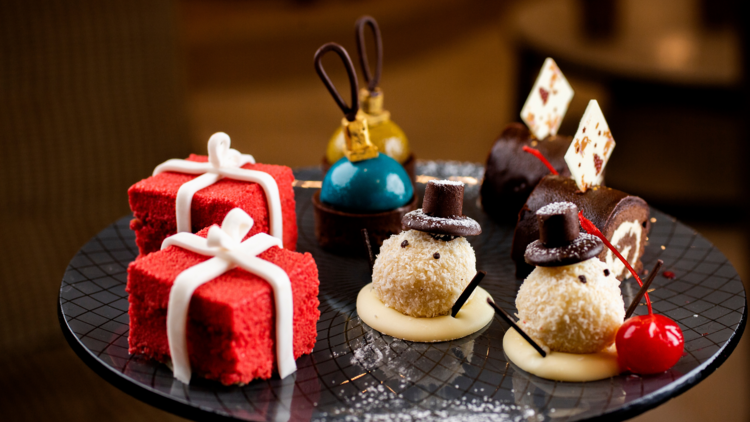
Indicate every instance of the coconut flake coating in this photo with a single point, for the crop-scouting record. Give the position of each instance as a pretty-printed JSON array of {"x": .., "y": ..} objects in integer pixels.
[
  {"x": 564, "y": 314},
  {"x": 412, "y": 281}
]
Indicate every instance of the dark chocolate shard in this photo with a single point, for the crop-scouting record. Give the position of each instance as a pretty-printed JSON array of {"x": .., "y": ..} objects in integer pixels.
[
  {"x": 368, "y": 247},
  {"x": 642, "y": 291},
  {"x": 467, "y": 293},
  {"x": 504, "y": 315}
]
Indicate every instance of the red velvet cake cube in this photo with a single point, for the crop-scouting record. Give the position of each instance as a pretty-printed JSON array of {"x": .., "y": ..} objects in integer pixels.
[
  {"x": 231, "y": 319},
  {"x": 152, "y": 201}
]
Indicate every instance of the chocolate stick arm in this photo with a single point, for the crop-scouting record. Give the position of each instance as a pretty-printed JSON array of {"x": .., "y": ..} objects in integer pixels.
[
  {"x": 643, "y": 290},
  {"x": 368, "y": 246},
  {"x": 467, "y": 292},
  {"x": 504, "y": 315}
]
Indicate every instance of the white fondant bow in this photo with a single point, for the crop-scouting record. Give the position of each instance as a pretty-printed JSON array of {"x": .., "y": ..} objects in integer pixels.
[
  {"x": 222, "y": 162},
  {"x": 229, "y": 251}
]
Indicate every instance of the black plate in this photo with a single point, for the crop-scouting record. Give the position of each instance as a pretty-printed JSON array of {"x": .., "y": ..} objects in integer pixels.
[{"x": 355, "y": 371}]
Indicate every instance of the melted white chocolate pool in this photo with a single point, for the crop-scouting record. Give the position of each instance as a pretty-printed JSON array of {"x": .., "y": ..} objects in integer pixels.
[
  {"x": 472, "y": 317},
  {"x": 560, "y": 366}
]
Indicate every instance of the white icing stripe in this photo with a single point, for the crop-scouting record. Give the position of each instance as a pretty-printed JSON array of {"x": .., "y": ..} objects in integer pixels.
[
  {"x": 222, "y": 162},
  {"x": 627, "y": 228},
  {"x": 185, "y": 198},
  {"x": 228, "y": 251}
]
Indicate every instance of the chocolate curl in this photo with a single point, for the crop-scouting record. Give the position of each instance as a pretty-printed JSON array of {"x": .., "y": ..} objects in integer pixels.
[
  {"x": 364, "y": 21},
  {"x": 537, "y": 154},
  {"x": 643, "y": 289},
  {"x": 349, "y": 111},
  {"x": 467, "y": 292},
  {"x": 368, "y": 246},
  {"x": 591, "y": 229},
  {"x": 504, "y": 315}
]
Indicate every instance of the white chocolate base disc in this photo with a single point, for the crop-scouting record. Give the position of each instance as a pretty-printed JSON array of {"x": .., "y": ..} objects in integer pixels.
[
  {"x": 472, "y": 317},
  {"x": 559, "y": 366}
]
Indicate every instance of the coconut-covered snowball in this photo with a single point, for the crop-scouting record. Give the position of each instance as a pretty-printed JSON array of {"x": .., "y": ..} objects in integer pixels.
[
  {"x": 573, "y": 308},
  {"x": 420, "y": 276}
]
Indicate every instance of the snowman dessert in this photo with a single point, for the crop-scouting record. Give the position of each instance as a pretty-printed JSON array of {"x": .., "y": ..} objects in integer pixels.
[
  {"x": 421, "y": 272},
  {"x": 570, "y": 304}
]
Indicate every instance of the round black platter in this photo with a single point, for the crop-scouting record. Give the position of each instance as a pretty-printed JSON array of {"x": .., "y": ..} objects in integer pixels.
[{"x": 355, "y": 373}]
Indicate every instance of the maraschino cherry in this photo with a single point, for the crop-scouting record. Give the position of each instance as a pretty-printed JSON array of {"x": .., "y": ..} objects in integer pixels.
[{"x": 646, "y": 344}]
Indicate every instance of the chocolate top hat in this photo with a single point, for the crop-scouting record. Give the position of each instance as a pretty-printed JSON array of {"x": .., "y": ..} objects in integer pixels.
[
  {"x": 441, "y": 212},
  {"x": 560, "y": 240}
]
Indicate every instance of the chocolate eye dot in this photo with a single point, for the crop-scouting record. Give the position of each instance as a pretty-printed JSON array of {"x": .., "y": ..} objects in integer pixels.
[
  {"x": 436, "y": 255},
  {"x": 606, "y": 272},
  {"x": 405, "y": 243},
  {"x": 582, "y": 278}
]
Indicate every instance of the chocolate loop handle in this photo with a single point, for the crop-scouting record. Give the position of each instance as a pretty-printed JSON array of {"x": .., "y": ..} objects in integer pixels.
[
  {"x": 372, "y": 82},
  {"x": 349, "y": 112}
]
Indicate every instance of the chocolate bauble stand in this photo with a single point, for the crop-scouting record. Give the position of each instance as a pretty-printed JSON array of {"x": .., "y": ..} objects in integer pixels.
[
  {"x": 341, "y": 232},
  {"x": 410, "y": 165},
  {"x": 512, "y": 174}
]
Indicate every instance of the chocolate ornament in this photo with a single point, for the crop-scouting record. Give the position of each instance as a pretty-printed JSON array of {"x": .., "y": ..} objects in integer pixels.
[
  {"x": 560, "y": 240},
  {"x": 364, "y": 189},
  {"x": 442, "y": 212},
  {"x": 385, "y": 134}
]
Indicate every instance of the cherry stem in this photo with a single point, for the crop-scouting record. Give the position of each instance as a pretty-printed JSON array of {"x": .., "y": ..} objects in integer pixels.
[
  {"x": 537, "y": 154},
  {"x": 591, "y": 229}
]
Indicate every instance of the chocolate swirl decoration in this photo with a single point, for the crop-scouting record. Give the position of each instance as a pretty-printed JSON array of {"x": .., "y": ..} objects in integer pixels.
[
  {"x": 372, "y": 81},
  {"x": 350, "y": 112}
]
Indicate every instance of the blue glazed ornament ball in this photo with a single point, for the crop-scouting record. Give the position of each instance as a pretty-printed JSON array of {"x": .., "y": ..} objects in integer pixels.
[{"x": 369, "y": 186}]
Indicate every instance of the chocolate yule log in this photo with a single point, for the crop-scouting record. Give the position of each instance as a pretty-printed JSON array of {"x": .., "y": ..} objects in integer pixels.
[
  {"x": 511, "y": 174},
  {"x": 622, "y": 218}
]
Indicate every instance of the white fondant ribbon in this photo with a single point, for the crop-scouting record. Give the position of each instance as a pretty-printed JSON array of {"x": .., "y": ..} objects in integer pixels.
[
  {"x": 229, "y": 251},
  {"x": 222, "y": 162}
]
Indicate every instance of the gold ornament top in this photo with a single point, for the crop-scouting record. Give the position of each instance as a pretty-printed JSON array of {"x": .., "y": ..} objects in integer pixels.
[
  {"x": 372, "y": 101},
  {"x": 357, "y": 137}
]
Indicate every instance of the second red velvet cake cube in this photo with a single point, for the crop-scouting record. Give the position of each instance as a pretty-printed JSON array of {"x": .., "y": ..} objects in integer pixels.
[{"x": 231, "y": 319}]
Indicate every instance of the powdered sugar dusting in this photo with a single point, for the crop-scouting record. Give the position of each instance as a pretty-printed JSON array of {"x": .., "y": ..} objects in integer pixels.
[
  {"x": 391, "y": 398},
  {"x": 446, "y": 182},
  {"x": 380, "y": 403},
  {"x": 557, "y": 208},
  {"x": 436, "y": 222}
]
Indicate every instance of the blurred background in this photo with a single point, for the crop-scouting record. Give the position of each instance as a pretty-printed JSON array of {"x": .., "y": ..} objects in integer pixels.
[{"x": 94, "y": 94}]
